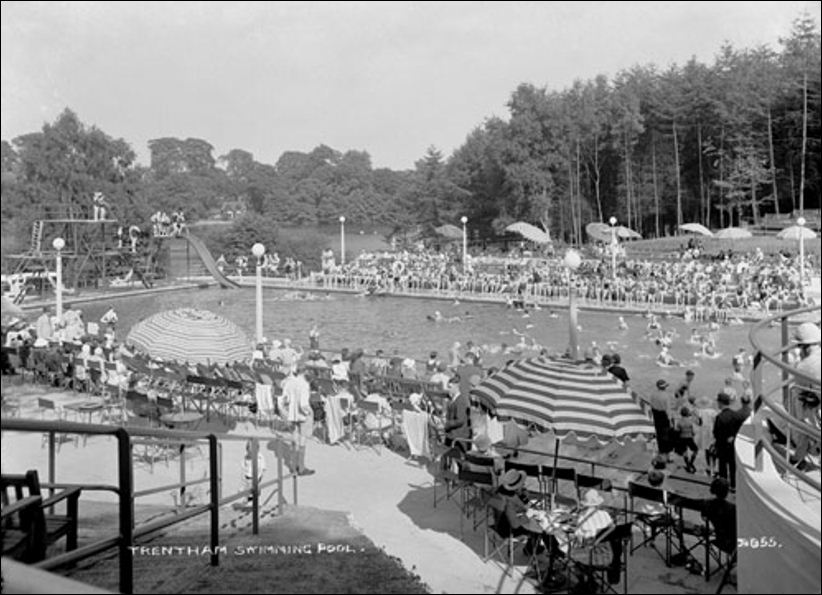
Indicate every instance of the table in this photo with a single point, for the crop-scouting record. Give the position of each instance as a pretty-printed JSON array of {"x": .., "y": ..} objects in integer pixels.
[
  {"x": 87, "y": 408},
  {"x": 184, "y": 420},
  {"x": 560, "y": 524}
]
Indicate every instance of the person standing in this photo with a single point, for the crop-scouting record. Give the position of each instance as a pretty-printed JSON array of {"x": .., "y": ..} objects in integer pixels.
[
  {"x": 726, "y": 427},
  {"x": 297, "y": 401},
  {"x": 43, "y": 326},
  {"x": 660, "y": 402},
  {"x": 457, "y": 419}
]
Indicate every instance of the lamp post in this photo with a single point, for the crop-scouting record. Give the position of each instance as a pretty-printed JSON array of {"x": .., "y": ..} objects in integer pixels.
[
  {"x": 464, "y": 221},
  {"x": 258, "y": 250},
  {"x": 342, "y": 240},
  {"x": 572, "y": 261},
  {"x": 613, "y": 222},
  {"x": 801, "y": 223},
  {"x": 59, "y": 244}
]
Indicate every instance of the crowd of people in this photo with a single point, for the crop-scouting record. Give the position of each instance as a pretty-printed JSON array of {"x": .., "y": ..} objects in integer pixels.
[{"x": 699, "y": 289}]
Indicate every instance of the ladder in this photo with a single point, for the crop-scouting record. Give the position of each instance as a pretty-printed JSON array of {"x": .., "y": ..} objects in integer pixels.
[{"x": 36, "y": 236}]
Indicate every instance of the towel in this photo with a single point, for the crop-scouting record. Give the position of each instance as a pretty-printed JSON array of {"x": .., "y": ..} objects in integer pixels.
[
  {"x": 494, "y": 429},
  {"x": 265, "y": 402},
  {"x": 334, "y": 419},
  {"x": 415, "y": 428}
]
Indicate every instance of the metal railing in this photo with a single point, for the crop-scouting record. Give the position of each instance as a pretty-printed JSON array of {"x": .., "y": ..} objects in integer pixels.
[
  {"x": 766, "y": 407},
  {"x": 128, "y": 531}
]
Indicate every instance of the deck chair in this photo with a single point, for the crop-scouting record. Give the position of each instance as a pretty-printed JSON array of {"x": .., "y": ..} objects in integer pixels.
[
  {"x": 53, "y": 527},
  {"x": 655, "y": 523},
  {"x": 372, "y": 421}
]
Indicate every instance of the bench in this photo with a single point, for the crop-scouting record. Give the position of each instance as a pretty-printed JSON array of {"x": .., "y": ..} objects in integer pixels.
[{"x": 36, "y": 530}]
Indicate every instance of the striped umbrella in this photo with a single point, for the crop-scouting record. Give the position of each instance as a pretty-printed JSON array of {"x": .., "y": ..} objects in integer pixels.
[
  {"x": 566, "y": 398},
  {"x": 191, "y": 335}
]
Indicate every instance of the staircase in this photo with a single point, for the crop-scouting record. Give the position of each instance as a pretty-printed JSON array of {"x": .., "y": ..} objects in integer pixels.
[{"x": 36, "y": 236}]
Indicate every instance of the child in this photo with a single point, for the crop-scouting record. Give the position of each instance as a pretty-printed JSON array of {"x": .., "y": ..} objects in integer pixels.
[
  {"x": 248, "y": 472},
  {"x": 687, "y": 444},
  {"x": 706, "y": 413}
]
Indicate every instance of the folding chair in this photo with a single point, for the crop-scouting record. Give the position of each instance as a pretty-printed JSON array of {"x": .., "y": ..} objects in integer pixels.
[
  {"x": 557, "y": 474},
  {"x": 604, "y": 561},
  {"x": 722, "y": 544},
  {"x": 699, "y": 530},
  {"x": 653, "y": 524},
  {"x": 501, "y": 541},
  {"x": 381, "y": 421}
]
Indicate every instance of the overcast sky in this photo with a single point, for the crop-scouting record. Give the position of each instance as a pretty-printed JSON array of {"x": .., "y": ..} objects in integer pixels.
[{"x": 388, "y": 78}]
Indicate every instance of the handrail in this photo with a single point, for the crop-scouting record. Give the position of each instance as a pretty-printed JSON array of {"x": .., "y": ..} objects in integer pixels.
[
  {"x": 127, "y": 531},
  {"x": 764, "y": 397}
]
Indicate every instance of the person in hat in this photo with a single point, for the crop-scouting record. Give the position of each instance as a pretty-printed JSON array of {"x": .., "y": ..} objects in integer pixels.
[
  {"x": 509, "y": 506},
  {"x": 592, "y": 519},
  {"x": 297, "y": 402},
  {"x": 458, "y": 419},
  {"x": 806, "y": 394},
  {"x": 617, "y": 371},
  {"x": 726, "y": 427},
  {"x": 659, "y": 403}
]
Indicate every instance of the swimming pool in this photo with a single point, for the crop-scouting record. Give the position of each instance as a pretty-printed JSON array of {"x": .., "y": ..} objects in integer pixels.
[{"x": 402, "y": 324}]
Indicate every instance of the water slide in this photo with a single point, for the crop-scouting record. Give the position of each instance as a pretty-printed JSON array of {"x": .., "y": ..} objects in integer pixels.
[{"x": 208, "y": 261}]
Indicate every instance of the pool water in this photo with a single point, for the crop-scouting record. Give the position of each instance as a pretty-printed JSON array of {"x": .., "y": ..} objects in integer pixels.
[{"x": 402, "y": 325}]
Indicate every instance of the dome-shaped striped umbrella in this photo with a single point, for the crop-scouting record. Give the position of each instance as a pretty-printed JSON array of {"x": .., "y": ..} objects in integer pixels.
[
  {"x": 191, "y": 335},
  {"x": 565, "y": 398}
]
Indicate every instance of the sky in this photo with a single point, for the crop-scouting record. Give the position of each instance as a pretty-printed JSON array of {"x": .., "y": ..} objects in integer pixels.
[{"x": 391, "y": 79}]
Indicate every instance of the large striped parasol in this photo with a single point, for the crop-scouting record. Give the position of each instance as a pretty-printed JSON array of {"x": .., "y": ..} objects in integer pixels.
[
  {"x": 566, "y": 398},
  {"x": 191, "y": 335}
]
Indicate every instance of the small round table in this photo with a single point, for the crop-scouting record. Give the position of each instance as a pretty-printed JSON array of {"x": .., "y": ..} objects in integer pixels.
[{"x": 184, "y": 420}]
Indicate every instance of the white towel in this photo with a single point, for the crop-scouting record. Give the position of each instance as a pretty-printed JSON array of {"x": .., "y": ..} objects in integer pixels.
[
  {"x": 265, "y": 402},
  {"x": 334, "y": 419},
  {"x": 494, "y": 428},
  {"x": 415, "y": 428}
]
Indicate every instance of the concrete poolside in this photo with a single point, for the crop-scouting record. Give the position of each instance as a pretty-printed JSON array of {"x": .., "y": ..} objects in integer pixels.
[{"x": 387, "y": 497}]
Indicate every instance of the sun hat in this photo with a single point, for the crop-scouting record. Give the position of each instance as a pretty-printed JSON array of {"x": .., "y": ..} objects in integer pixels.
[
  {"x": 512, "y": 480},
  {"x": 655, "y": 477},
  {"x": 662, "y": 384},
  {"x": 482, "y": 442},
  {"x": 807, "y": 333},
  {"x": 592, "y": 498}
]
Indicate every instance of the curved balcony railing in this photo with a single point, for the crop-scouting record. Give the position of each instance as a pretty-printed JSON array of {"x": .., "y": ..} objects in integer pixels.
[{"x": 777, "y": 401}]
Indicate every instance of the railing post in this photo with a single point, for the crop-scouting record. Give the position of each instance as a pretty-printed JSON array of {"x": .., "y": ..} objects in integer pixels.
[
  {"x": 255, "y": 489},
  {"x": 786, "y": 390},
  {"x": 182, "y": 476},
  {"x": 126, "y": 487},
  {"x": 214, "y": 483},
  {"x": 52, "y": 466},
  {"x": 280, "y": 485},
  {"x": 756, "y": 383}
]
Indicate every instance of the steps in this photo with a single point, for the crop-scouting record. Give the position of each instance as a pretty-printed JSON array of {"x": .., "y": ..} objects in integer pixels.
[{"x": 36, "y": 236}]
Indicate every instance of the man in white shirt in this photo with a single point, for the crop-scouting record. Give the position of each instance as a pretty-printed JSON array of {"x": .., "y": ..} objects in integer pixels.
[{"x": 297, "y": 401}]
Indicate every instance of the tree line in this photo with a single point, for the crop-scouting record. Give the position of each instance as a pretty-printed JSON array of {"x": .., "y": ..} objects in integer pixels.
[{"x": 713, "y": 143}]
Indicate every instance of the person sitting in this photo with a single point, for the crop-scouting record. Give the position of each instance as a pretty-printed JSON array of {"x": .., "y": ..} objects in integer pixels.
[
  {"x": 510, "y": 507},
  {"x": 721, "y": 514},
  {"x": 592, "y": 519}
]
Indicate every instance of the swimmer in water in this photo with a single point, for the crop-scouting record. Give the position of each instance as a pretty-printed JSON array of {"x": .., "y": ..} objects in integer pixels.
[
  {"x": 623, "y": 326},
  {"x": 553, "y": 314}
]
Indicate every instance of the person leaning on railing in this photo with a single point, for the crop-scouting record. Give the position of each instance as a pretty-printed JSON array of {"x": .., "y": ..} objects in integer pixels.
[{"x": 806, "y": 407}]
